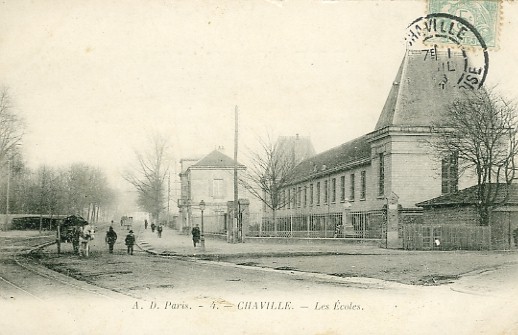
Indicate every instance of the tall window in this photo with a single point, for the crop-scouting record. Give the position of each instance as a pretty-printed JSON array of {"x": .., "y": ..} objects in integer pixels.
[
  {"x": 299, "y": 196},
  {"x": 333, "y": 190},
  {"x": 381, "y": 175},
  {"x": 305, "y": 196},
  {"x": 288, "y": 200},
  {"x": 294, "y": 197},
  {"x": 326, "y": 189},
  {"x": 311, "y": 194},
  {"x": 342, "y": 188},
  {"x": 318, "y": 193},
  {"x": 218, "y": 190},
  {"x": 450, "y": 174},
  {"x": 352, "y": 190},
  {"x": 363, "y": 182}
]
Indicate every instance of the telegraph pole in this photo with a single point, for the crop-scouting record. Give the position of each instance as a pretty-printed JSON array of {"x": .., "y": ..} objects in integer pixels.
[
  {"x": 236, "y": 196},
  {"x": 168, "y": 194}
]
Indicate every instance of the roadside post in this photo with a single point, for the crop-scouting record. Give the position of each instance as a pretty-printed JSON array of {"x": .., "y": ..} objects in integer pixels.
[{"x": 202, "y": 233}]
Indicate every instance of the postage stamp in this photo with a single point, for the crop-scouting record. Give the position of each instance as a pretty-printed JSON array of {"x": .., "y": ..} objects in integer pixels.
[
  {"x": 484, "y": 15},
  {"x": 440, "y": 39}
]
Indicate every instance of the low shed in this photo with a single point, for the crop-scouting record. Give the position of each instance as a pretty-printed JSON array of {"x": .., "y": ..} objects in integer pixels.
[{"x": 455, "y": 219}]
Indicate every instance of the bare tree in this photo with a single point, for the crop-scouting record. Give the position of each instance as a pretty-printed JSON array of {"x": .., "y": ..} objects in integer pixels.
[
  {"x": 148, "y": 176},
  {"x": 11, "y": 126},
  {"x": 269, "y": 174},
  {"x": 480, "y": 129}
]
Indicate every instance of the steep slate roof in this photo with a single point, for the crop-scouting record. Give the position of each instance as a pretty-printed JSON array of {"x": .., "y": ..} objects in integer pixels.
[
  {"x": 350, "y": 153},
  {"x": 416, "y": 97},
  {"x": 216, "y": 159},
  {"x": 468, "y": 196}
]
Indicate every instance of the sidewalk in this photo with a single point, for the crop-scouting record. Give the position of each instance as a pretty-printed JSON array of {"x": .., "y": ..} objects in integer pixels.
[{"x": 172, "y": 243}]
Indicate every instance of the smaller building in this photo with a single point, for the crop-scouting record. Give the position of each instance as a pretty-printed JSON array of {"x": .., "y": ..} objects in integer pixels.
[
  {"x": 210, "y": 179},
  {"x": 453, "y": 220}
]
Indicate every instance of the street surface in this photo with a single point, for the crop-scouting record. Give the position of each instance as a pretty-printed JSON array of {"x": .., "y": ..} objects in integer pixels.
[{"x": 149, "y": 294}]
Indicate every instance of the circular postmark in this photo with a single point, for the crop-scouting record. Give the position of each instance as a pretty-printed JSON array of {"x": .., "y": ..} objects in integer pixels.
[{"x": 440, "y": 39}]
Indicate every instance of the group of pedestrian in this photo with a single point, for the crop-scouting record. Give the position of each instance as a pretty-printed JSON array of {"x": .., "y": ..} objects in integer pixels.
[
  {"x": 154, "y": 227},
  {"x": 111, "y": 238}
]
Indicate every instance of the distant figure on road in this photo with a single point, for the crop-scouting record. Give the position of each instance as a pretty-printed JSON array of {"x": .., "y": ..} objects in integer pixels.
[
  {"x": 153, "y": 227},
  {"x": 130, "y": 241},
  {"x": 111, "y": 237},
  {"x": 145, "y": 224},
  {"x": 195, "y": 235},
  {"x": 159, "y": 230}
]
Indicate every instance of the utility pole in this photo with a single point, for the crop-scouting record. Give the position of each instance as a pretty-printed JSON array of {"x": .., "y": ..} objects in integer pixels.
[
  {"x": 168, "y": 194},
  {"x": 236, "y": 195},
  {"x": 7, "y": 195}
]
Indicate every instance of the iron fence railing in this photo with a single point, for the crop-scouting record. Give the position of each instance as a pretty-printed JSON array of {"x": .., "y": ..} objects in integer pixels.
[{"x": 331, "y": 225}]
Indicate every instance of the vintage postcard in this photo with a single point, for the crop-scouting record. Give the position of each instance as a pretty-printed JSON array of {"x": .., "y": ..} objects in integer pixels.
[{"x": 258, "y": 167}]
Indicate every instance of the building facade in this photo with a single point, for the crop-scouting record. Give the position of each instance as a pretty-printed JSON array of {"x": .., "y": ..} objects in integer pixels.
[
  {"x": 344, "y": 191},
  {"x": 210, "y": 179}
]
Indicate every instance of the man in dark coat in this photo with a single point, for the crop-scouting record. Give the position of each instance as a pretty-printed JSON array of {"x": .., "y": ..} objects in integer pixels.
[
  {"x": 130, "y": 241},
  {"x": 111, "y": 237},
  {"x": 195, "y": 235},
  {"x": 159, "y": 230}
]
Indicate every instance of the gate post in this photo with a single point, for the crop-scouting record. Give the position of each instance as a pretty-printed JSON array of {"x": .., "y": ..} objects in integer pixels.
[
  {"x": 393, "y": 241},
  {"x": 230, "y": 222},
  {"x": 244, "y": 215}
]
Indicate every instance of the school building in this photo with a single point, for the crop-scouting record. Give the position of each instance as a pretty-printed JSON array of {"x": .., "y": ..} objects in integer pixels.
[{"x": 348, "y": 191}]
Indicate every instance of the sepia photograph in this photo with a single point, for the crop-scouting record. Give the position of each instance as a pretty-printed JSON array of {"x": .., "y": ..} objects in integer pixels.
[{"x": 258, "y": 167}]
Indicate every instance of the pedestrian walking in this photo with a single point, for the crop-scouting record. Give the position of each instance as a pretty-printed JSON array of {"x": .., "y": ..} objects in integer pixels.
[
  {"x": 159, "y": 230},
  {"x": 130, "y": 241},
  {"x": 153, "y": 226},
  {"x": 145, "y": 224},
  {"x": 196, "y": 235},
  {"x": 111, "y": 237}
]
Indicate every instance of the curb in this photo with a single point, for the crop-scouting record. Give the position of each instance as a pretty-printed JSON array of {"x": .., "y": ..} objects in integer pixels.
[
  {"x": 360, "y": 282},
  {"x": 146, "y": 247}
]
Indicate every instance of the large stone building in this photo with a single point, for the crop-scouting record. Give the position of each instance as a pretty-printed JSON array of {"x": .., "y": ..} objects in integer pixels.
[{"x": 395, "y": 161}]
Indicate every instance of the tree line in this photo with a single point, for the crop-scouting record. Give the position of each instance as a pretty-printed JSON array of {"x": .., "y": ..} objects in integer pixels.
[{"x": 78, "y": 189}]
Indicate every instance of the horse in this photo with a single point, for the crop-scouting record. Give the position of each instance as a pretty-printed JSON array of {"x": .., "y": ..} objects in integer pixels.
[{"x": 86, "y": 235}]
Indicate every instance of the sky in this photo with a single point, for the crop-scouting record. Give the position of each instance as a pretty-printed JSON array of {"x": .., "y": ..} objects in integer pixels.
[{"x": 94, "y": 79}]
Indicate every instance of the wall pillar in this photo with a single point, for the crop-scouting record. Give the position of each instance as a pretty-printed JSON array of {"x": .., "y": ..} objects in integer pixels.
[
  {"x": 243, "y": 226},
  {"x": 231, "y": 238},
  {"x": 393, "y": 240}
]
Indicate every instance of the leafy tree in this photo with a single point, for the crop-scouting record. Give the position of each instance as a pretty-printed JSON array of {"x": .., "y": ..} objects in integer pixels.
[{"x": 480, "y": 129}]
